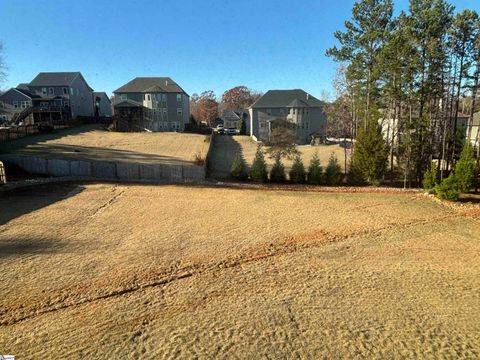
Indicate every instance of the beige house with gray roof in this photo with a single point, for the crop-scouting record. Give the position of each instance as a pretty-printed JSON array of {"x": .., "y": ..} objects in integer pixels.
[
  {"x": 300, "y": 110},
  {"x": 151, "y": 103}
]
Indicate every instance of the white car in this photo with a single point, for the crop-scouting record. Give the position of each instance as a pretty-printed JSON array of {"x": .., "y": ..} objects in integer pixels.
[{"x": 220, "y": 127}]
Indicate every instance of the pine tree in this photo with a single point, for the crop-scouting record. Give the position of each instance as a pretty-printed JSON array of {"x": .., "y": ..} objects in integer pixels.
[
  {"x": 465, "y": 169},
  {"x": 333, "y": 171},
  {"x": 315, "y": 171},
  {"x": 369, "y": 158},
  {"x": 277, "y": 174},
  {"x": 430, "y": 177},
  {"x": 258, "y": 171},
  {"x": 238, "y": 169},
  {"x": 297, "y": 173},
  {"x": 448, "y": 189}
]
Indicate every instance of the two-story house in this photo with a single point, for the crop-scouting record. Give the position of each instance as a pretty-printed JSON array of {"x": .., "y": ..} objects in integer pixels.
[
  {"x": 301, "y": 110},
  {"x": 51, "y": 97},
  {"x": 151, "y": 103}
]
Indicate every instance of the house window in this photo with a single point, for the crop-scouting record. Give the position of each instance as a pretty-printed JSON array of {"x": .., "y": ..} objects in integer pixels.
[
  {"x": 175, "y": 125},
  {"x": 71, "y": 91},
  {"x": 24, "y": 104},
  {"x": 179, "y": 111},
  {"x": 66, "y": 103},
  {"x": 269, "y": 111},
  {"x": 179, "y": 97},
  {"x": 164, "y": 97},
  {"x": 65, "y": 91},
  {"x": 44, "y": 91},
  {"x": 165, "y": 125},
  {"x": 164, "y": 111},
  {"x": 15, "y": 104},
  {"x": 281, "y": 111},
  {"x": 148, "y": 97},
  {"x": 123, "y": 97},
  {"x": 50, "y": 91}
]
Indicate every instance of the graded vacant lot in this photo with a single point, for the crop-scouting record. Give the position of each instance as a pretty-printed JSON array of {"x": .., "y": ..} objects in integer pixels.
[
  {"x": 92, "y": 143},
  {"x": 225, "y": 148},
  {"x": 114, "y": 271}
]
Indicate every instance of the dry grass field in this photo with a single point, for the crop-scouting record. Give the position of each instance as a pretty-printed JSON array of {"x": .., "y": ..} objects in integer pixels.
[
  {"x": 225, "y": 148},
  {"x": 129, "y": 271},
  {"x": 91, "y": 142}
]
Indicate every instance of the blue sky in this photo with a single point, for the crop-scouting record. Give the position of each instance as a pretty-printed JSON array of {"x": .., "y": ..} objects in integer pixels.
[{"x": 202, "y": 45}]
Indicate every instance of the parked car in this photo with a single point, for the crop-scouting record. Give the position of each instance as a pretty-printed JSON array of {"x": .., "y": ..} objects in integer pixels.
[
  {"x": 220, "y": 127},
  {"x": 231, "y": 131},
  {"x": 221, "y": 131}
]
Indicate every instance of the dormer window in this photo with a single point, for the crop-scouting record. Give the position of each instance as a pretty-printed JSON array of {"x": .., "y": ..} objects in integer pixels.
[
  {"x": 65, "y": 91},
  {"x": 148, "y": 97},
  {"x": 50, "y": 91},
  {"x": 44, "y": 91},
  {"x": 123, "y": 97}
]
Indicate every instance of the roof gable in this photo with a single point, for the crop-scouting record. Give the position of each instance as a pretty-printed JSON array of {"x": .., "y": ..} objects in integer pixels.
[
  {"x": 284, "y": 98},
  {"x": 150, "y": 84}
]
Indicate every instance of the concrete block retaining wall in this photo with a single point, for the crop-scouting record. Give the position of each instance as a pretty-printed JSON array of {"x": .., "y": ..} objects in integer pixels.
[{"x": 107, "y": 170}]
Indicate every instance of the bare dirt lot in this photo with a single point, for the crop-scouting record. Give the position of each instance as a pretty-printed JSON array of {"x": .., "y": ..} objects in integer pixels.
[
  {"x": 226, "y": 147},
  {"x": 91, "y": 142},
  {"x": 116, "y": 271}
]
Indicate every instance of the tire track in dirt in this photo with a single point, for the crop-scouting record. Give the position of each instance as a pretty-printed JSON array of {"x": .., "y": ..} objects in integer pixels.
[{"x": 139, "y": 281}]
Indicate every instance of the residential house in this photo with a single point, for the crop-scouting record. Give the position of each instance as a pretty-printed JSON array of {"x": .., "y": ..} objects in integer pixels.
[
  {"x": 299, "y": 109},
  {"x": 102, "y": 104},
  {"x": 235, "y": 119},
  {"x": 53, "y": 97},
  {"x": 151, "y": 103}
]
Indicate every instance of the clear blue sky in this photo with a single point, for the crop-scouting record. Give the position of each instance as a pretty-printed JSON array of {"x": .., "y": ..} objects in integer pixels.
[{"x": 213, "y": 44}]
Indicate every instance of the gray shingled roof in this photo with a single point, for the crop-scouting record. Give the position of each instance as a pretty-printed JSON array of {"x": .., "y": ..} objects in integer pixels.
[
  {"x": 297, "y": 104},
  {"x": 283, "y": 98},
  {"x": 100, "y": 93},
  {"x": 150, "y": 84},
  {"x": 27, "y": 93},
  {"x": 54, "y": 78}
]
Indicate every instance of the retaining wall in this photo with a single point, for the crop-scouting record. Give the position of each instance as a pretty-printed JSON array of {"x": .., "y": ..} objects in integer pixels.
[{"x": 108, "y": 170}]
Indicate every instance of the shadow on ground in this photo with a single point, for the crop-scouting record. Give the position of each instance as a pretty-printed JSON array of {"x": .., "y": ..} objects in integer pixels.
[
  {"x": 80, "y": 152},
  {"x": 18, "y": 144},
  {"x": 221, "y": 158},
  {"x": 27, "y": 246},
  {"x": 22, "y": 201}
]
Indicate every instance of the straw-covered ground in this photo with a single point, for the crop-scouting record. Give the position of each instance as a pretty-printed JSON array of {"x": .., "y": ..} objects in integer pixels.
[
  {"x": 131, "y": 271},
  {"x": 93, "y": 143}
]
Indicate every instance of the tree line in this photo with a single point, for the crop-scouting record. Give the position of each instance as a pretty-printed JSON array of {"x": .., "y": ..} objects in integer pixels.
[
  {"x": 206, "y": 108},
  {"x": 403, "y": 85}
]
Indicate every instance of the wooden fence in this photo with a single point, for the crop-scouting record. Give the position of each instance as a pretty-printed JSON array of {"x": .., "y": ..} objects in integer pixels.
[{"x": 17, "y": 132}]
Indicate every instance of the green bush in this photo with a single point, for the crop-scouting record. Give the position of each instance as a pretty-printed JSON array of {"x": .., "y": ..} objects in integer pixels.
[
  {"x": 465, "y": 169},
  {"x": 315, "y": 171},
  {"x": 430, "y": 177},
  {"x": 448, "y": 188},
  {"x": 333, "y": 171},
  {"x": 258, "y": 171},
  {"x": 297, "y": 174},
  {"x": 277, "y": 174},
  {"x": 238, "y": 169}
]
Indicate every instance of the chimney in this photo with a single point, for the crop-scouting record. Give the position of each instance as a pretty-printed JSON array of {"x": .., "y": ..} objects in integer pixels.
[{"x": 166, "y": 82}]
